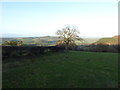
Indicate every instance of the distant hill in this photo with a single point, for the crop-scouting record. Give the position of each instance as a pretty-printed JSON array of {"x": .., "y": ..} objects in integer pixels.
[
  {"x": 42, "y": 41},
  {"x": 46, "y": 40},
  {"x": 109, "y": 41},
  {"x": 89, "y": 40},
  {"x": 116, "y": 37}
]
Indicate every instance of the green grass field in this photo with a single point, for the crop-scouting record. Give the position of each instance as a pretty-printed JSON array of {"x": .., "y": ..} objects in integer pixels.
[{"x": 73, "y": 69}]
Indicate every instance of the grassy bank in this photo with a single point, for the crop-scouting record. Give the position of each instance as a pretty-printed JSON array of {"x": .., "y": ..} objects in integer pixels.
[{"x": 71, "y": 69}]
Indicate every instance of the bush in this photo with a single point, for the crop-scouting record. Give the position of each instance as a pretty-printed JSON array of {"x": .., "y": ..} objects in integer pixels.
[
  {"x": 99, "y": 48},
  {"x": 12, "y": 43},
  {"x": 21, "y": 51},
  {"x": 71, "y": 46},
  {"x": 27, "y": 51}
]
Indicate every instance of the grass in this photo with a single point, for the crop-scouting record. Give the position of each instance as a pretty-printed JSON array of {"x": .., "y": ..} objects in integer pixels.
[{"x": 71, "y": 69}]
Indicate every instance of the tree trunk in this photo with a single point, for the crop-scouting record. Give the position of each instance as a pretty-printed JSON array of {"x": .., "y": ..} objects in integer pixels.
[{"x": 66, "y": 47}]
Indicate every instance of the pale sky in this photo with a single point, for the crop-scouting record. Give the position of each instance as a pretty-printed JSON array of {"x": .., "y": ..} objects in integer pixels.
[{"x": 94, "y": 19}]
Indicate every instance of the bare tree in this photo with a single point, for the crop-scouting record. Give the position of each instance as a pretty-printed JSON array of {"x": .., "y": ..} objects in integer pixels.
[{"x": 68, "y": 35}]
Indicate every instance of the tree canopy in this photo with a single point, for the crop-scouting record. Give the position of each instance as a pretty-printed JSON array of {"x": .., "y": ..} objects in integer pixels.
[{"x": 68, "y": 34}]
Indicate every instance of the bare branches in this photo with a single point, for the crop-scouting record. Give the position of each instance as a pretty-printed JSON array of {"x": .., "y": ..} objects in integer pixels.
[{"x": 69, "y": 34}]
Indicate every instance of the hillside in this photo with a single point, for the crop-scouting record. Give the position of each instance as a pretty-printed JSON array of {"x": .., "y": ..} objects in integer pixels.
[
  {"x": 116, "y": 37},
  {"x": 52, "y": 40},
  {"x": 46, "y": 40},
  {"x": 109, "y": 41}
]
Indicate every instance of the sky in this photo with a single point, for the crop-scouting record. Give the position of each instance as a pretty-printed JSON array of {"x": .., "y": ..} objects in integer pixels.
[{"x": 93, "y": 19}]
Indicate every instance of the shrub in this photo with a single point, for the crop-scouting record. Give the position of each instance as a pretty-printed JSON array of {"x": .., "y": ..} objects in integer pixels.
[
  {"x": 99, "y": 48},
  {"x": 71, "y": 46},
  {"x": 12, "y": 43},
  {"x": 27, "y": 51}
]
